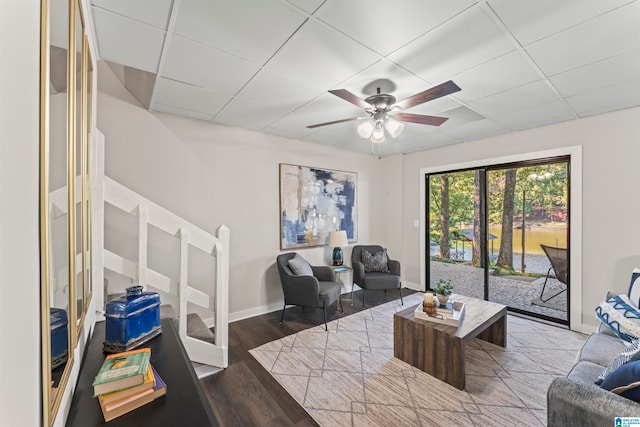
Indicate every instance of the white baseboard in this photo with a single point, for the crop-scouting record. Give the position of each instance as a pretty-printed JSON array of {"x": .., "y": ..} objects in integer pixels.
[
  {"x": 255, "y": 311},
  {"x": 412, "y": 285}
]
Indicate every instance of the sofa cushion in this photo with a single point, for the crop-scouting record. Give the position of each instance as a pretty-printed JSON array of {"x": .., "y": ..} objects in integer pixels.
[
  {"x": 634, "y": 287},
  {"x": 625, "y": 381},
  {"x": 627, "y": 355},
  {"x": 376, "y": 262},
  {"x": 601, "y": 349},
  {"x": 621, "y": 316},
  {"x": 299, "y": 266},
  {"x": 585, "y": 372}
]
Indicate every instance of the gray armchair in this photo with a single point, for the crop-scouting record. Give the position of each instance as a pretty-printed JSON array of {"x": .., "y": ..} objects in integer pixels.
[
  {"x": 306, "y": 285},
  {"x": 374, "y": 280}
]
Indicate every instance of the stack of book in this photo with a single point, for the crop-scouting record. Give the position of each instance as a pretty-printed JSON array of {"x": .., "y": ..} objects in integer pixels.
[{"x": 127, "y": 381}]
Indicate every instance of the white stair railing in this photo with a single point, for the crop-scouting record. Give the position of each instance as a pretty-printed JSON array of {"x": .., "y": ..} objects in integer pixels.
[{"x": 216, "y": 299}]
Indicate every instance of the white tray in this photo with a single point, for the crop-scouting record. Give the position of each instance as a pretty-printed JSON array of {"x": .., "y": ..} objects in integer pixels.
[{"x": 446, "y": 316}]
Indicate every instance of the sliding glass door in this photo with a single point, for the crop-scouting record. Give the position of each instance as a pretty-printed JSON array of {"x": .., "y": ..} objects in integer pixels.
[
  {"x": 455, "y": 210},
  {"x": 500, "y": 233}
]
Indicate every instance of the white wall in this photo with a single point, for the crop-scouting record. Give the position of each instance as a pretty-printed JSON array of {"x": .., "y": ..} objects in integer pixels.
[
  {"x": 610, "y": 224},
  {"x": 19, "y": 183},
  {"x": 211, "y": 175}
]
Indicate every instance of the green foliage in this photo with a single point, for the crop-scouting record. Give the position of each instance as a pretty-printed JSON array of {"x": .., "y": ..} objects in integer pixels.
[
  {"x": 543, "y": 196},
  {"x": 443, "y": 287}
]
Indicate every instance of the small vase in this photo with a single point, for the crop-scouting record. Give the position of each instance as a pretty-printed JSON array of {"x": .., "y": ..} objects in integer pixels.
[{"x": 443, "y": 299}]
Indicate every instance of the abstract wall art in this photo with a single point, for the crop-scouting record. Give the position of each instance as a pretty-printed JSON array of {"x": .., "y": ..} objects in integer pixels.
[{"x": 313, "y": 202}]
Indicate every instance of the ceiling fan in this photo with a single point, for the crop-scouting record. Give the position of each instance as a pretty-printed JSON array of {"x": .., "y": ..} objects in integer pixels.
[{"x": 381, "y": 109}]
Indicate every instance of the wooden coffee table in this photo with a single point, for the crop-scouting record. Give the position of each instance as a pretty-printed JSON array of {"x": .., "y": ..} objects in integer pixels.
[{"x": 438, "y": 349}]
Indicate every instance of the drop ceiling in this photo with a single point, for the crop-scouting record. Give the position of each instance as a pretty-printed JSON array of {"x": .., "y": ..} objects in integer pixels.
[{"x": 266, "y": 65}]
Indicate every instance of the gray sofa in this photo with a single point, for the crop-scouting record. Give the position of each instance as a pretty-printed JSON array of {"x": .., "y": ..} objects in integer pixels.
[{"x": 575, "y": 400}]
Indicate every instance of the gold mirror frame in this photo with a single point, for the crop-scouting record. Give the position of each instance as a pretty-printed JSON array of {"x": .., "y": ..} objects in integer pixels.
[
  {"x": 79, "y": 166},
  {"x": 49, "y": 270}
]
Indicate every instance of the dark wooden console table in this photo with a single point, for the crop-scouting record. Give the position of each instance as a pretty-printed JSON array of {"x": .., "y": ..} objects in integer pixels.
[{"x": 185, "y": 404}]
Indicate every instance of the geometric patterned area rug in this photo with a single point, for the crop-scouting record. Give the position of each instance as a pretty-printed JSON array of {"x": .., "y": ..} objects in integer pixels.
[{"x": 349, "y": 377}]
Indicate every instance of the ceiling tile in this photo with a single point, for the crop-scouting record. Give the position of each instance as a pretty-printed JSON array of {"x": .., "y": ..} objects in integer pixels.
[
  {"x": 271, "y": 88},
  {"x": 475, "y": 130},
  {"x": 616, "y": 97},
  {"x": 268, "y": 64},
  {"x": 538, "y": 115},
  {"x": 602, "y": 37},
  {"x": 172, "y": 109},
  {"x": 430, "y": 141},
  {"x": 127, "y": 42},
  {"x": 503, "y": 73},
  {"x": 208, "y": 68},
  {"x": 322, "y": 55},
  {"x": 250, "y": 29},
  {"x": 152, "y": 12},
  {"x": 464, "y": 42},
  {"x": 356, "y": 144},
  {"x": 308, "y": 6},
  {"x": 249, "y": 115},
  {"x": 180, "y": 95},
  {"x": 530, "y": 21},
  {"x": 523, "y": 97},
  {"x": 286, "y": 133},
  {"x": 333, "y": 134},
  {"x": 610, "y": 71},
  {"x": 459, "y": 116},
  {"x": 385, "y": 29}
]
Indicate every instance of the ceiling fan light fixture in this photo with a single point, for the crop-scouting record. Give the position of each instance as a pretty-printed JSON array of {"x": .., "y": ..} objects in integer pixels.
[
  {"x": 365, "y": 129},
  {"x": 377, "y": 135},
  {"x": 394, "y": 127}
]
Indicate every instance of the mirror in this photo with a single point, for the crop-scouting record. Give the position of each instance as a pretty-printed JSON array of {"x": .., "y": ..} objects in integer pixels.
[
  {"x": 56, "y": 223},
  {"x": 80, "y": 165},
  {"x": 88, "y": 176}
]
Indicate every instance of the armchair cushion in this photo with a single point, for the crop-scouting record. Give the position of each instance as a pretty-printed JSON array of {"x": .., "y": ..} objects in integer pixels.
[
  {"x": 299, "y": 266},
  {"x": 376, "y": 262}
]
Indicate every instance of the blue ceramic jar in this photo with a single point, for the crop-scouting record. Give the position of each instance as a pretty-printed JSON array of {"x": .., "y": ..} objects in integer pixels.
[{"x": 131, "y": 320}]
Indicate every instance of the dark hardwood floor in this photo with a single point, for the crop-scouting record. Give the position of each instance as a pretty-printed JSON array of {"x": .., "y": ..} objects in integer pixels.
[{"x": 244, "y": 394}]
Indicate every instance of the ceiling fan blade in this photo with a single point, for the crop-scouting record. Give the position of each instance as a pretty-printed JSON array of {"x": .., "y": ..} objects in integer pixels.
[
  {"x": 349, "y": 97},
  {"x": 435, "y": 92},
  {"x": 336, "y": 121},
  {"x": 420, "y": 119}
]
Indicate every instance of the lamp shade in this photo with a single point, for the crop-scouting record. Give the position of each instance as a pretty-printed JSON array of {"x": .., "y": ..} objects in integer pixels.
[
  {"x": 378, "y": 135},
  {"x": 338, "y": 238},
  {"x": 394, "y": 127},
  {"x": 365, "y": 129}
]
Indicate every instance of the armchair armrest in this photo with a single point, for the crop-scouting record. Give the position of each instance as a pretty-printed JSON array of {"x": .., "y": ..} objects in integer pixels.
[
  {"x": 301, "y": 290},
  {"x": 572, "y": 402},
  {"x": 358, "y": 272},
  {"x": 394, "y": 267},
  {"x": 324, "y": 273}
]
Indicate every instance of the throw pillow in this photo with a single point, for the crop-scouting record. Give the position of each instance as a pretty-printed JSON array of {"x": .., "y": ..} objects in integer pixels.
[
  {"x": 375, "y": 262},
  {"x": 299, "y": 266},
  {"x": 629, "y": 354},
  {"x": 621, "y": 316},
  {"x": 625, "y": 381},
  {"x": 634, "y": 287}
]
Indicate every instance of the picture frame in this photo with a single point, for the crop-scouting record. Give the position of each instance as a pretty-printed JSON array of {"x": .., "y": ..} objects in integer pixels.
[{"x": 315, "y": 201}]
